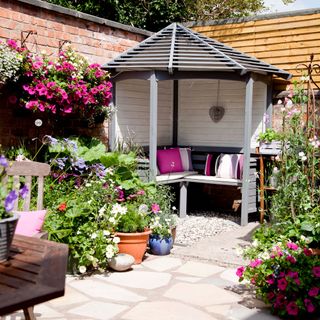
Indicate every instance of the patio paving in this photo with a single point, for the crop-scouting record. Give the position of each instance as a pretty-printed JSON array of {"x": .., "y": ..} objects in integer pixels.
[{"x": 162, "y": 287}]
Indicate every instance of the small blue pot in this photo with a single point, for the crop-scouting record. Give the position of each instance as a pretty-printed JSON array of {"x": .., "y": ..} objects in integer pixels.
[{"x": 160, "y": 246}]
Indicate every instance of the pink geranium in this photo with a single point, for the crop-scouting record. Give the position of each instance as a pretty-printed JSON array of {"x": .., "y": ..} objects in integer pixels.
[
  {"x": 240, "y": 271},
  {"x": 316, "y": 271},
  {"x": 255, "y": 263}
]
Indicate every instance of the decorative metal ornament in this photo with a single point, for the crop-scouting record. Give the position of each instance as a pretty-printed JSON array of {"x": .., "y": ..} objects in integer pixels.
[
  {"x": 216, "y": 113},
  {"x": 38, "y": 122}
]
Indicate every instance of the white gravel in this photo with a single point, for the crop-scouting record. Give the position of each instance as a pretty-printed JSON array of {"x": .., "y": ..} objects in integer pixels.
[{"x": 201, "y": 225}]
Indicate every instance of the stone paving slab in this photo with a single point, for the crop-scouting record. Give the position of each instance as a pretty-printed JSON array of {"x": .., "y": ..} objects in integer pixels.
[{"x": 169, "y": 287}]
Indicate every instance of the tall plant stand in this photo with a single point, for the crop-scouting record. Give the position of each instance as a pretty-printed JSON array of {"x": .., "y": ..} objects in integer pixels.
[{"x": 263, "y": 159}]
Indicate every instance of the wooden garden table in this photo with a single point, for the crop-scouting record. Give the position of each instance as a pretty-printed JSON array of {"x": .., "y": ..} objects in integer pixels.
[{"x": 34, "y": 273}]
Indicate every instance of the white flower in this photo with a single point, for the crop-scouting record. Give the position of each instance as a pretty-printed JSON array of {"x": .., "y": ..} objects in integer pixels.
[
  {"x": 106, "y": 233},
  {"x": 301, "y": 154},
  {"x": 112, "y": 219},
  {"x": 117, "y": 208},
  {"x": 109, "y": 254},
  {"x": 304, "y": 158},
  {"x": 109, "y": 171},
  {"x": 255, "y": 243},
  {"x": 174, "y": 208},
  {"x": 93, "y": 236},
  {"x": 102, "y": 210},
  {"x": 116, "y": 239},
  {"x": 82, "y": 269},
  {"x": 143, "y": 208}
]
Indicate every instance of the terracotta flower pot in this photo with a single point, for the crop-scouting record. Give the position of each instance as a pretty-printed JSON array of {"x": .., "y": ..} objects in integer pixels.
[{"x": 134, "y": 243}]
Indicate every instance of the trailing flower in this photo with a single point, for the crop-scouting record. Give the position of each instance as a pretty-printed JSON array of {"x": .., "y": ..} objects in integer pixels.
[
  {"x": 66, "y": 85},
  {"x": 288, "y": 278},
  {"x": 10, "y": 61}
]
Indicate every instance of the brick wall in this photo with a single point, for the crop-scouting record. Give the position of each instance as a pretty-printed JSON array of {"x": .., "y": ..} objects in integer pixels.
[{"x": 99, "y": 40}]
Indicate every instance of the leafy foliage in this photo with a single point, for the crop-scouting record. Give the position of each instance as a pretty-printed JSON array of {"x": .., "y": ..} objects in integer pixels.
[{"x": 154, "y": 15}]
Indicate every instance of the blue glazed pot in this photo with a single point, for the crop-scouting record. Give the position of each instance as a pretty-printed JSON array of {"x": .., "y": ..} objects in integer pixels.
[{"x": 160, "y": 246}]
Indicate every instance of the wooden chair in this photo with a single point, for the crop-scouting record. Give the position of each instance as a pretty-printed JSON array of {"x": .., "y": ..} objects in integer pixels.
[{"x": 32, "y": 175}]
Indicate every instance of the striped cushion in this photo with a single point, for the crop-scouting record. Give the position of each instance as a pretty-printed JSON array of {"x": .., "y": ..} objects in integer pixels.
[
  {"x": 230, "y": 166},
  {"x": 185, "y": 154}
]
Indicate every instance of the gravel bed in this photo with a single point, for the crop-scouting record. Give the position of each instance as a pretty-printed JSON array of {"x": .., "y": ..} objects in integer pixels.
[{"x": 201, "y": 225}]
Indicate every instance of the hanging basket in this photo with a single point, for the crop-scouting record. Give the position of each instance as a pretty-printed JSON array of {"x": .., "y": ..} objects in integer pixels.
[{"x": 7, "y": 229}]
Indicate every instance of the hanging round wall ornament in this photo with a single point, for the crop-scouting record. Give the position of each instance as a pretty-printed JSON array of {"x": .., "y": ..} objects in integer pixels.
[{"x": 216, "y": 113}]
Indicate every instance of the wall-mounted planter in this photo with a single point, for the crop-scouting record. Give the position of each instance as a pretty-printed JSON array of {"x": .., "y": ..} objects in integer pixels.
[{"x": 271, "y": 148}]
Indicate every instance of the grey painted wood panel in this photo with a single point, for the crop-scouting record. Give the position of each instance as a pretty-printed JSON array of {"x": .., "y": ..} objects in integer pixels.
[
  {"x": 133, "y": 112},
  {"x": 196, "y": 97}
]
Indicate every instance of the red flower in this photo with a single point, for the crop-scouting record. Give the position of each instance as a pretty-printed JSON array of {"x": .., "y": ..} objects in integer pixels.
[
  {"x": 313, "y": 292},
  {"x": 316, "y": 271},
  {"x": 307, "y": 252},
  {"x": 62, "y": 206},
  {"x": 309, "y": 306},
  {"x": 292, "y": 308},
  {"x": 282, "y": 284}
]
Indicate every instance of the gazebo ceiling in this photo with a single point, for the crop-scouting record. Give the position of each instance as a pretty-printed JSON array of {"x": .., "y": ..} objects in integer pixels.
[{"x": 177, "y": 48}]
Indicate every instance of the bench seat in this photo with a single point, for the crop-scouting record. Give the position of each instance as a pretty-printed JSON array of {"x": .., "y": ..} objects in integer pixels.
[
  {"x": 174, "y": 177},
  {"x": 213, "y": 180}
]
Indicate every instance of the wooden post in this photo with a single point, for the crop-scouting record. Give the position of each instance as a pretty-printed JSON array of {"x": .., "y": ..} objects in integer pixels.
[
  {"x": 183, "y": 199},
  {"x": 247, "y": 151},
  {"x": 175, "y": 113},
  {"x": 153, "y": 125}
]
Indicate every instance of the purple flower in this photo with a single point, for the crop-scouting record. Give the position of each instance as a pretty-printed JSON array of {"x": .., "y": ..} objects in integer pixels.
[
  {"x": 60, "y": 162},
  {"x": 23, "y": 192},
  {"x": 99, "y": 169},
  {"x": 10, "y": 200},
  {"x": 3, "y": 161},
  {"x": 292, "y": 308},
  {"x": 79, "y": 163}
]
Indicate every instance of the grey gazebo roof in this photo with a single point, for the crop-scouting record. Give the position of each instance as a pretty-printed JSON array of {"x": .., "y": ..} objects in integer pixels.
[{"x": 177, "y": 48}]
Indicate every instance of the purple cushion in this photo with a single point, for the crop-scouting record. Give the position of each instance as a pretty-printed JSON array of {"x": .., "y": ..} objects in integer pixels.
[
  {"x": 169, "y": 160},
  {"x": 30, "y": 222},
  {"x": 185, "y": 154}
]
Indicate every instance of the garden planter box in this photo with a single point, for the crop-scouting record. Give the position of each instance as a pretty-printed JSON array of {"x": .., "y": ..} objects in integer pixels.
[{"x": 272, "y": 148}]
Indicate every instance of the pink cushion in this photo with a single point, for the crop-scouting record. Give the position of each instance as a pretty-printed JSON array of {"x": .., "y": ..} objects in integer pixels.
[
  {"x": 30, "y": 222},
  {"x": 169, "y": 160},
  {"x": 209, "y": 167}
]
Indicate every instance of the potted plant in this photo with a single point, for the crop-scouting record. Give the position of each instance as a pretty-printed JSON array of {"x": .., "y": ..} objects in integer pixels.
[
  {"x": 269, "y": 142},
  {"x": 132, "y": 229},
  {"x": 161, "y": 239},
  {"x": 8, "y": 219}
]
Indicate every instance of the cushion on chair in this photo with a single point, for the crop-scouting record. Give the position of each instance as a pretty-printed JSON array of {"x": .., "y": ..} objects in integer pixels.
[
  {"x": 230, "y": 166},
  {"x": 209, "y": 169},
  {"x": 30, "y": 222},
  {"x": 169, "y": 160},
  {"x": 185, "y": 154}
]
